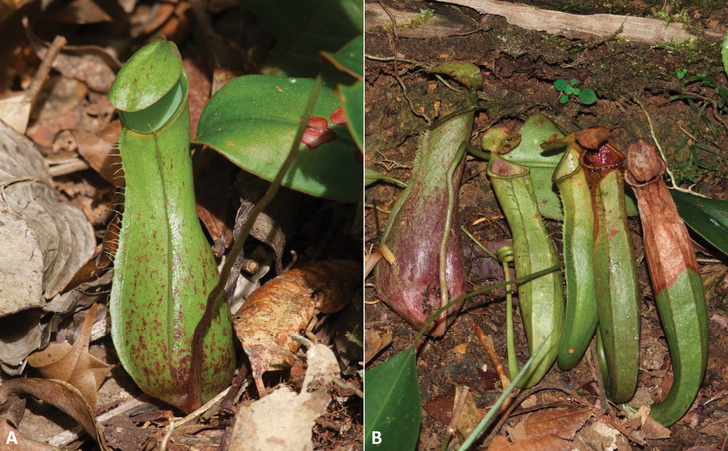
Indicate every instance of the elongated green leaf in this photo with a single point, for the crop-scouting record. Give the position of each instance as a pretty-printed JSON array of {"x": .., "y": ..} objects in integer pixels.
[
  {"x": 392, "y": 411},
  {"x": 252, "y": 121},
  {"x": 707, "y": 217},
  {"x": 350, "y": 58},
  {"x": 352, "y": 97},
  {"x": 724, "y": 52},
  {"x": 466, "y": 73},
  {"x": 303, "y": 28}
]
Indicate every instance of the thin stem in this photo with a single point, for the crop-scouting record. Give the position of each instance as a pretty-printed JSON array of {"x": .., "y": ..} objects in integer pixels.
[
  {"x": 195, "y": 382},
  {"x": 451, "y": 198}
]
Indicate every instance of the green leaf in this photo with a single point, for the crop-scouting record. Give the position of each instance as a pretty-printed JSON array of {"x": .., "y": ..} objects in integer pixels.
[
  {"x": 724, "y": 52},
  {"x": 468, "y": 74},
  {"x": 574, "y": 82},
  {"x": 350, "y": 58},
  {"x": 304, "y": 28},
  {"x": 564, "y": 98},
  {"x": 561, "y": 85},
  {"x": 252, "y": 121},
  {"x": 707, "y": 217},
  {"x": 569, "y": 90},
  {"x": 587, "y": 96},
  {"x": 393, "y": 407},
  {"x": 352, "y": 98}
]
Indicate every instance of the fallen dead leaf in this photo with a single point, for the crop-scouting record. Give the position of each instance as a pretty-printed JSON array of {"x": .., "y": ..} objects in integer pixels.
[
  {"x": 45, "y": 243},
  {"x": 284, "y": 420},
  {"x": 12, "y": 438},
  {"x": 597, "y": 436},
  {"x": 285, "y": 306},
  {"x": 471, "y": 416},
  {"x": 74, "y": 364},
  {"x": 562, "y": 423},
  {"x": 59, "y": 394},
  {"x": 89, "y": 64},
  {"x": 374, "y": 342}
]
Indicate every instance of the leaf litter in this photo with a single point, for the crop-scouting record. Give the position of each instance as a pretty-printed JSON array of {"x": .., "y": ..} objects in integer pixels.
[
  {"x": 519, "y": 68},
  {"x": 71, "y": 125}
]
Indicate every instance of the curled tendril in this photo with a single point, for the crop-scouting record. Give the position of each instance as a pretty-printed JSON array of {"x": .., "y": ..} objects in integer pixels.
[{"x": 506, "y": 254}]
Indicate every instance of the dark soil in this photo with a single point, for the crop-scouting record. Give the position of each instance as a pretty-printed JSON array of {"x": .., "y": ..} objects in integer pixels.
[{"x": 519, "y": 68}]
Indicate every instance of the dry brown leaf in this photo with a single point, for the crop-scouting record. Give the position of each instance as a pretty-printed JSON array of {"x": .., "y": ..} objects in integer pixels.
[
  {"x": 59, "y": 394},
  {"x": 374, "y": 342},
  {"x": 547, "y": 429},
  {"x": 79, "y": 12},
  {"x": 74, "y": 364},
  {"x": 89, "y": 64},
  {"x": 56, "y": 108},
  {"x": 652, "y": 428},
  {"x": 563, "y": 423},
  {"x": 61, "y": 232},
  {"x": 16, "y": 111},
  {"x": 8, "y": 7},
  {"x": 285, "y": 306},
  {"x": 99, "y": 151},
  {"x": 11, "y": 438},
  {"x": 273, "y": 224},
  {"x": 471, "y": 415}
]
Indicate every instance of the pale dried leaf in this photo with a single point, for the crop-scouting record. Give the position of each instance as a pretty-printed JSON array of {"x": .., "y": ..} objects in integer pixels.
[
  {"x": 284, "y": 420},
  {"x": 322, "y": 367},
  {"x": 471, "y": 416},
  {"x": 273, "y": 224},
  {"x": 89, "y": 64},
  {"x": 652, "y": 428},
  {"x": 597, "y": 436},
  {"x": 15, "y": 112},
  {"x": 21, "y": 278},
  {"x": 44, "y": 243},
  {"x": 8, "y": 7},
  {"x": 80, "y": 12},
  {"x": 61, "y": 231},
  {"x": 21, "y": 334}
]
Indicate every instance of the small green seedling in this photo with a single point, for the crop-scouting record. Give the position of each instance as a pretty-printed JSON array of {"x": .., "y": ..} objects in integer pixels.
[
  {"x": 681, "y": 73},
  {"x": 568, "y": 88}
]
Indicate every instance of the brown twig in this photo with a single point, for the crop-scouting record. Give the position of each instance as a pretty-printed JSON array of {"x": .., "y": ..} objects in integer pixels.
[
  {"x": 45, "y": 67},
  {"x": 487, "y": 342},
  {"x": 395, "y": 42}
]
